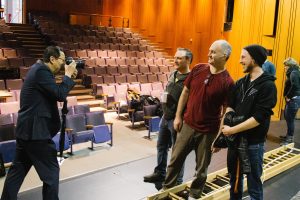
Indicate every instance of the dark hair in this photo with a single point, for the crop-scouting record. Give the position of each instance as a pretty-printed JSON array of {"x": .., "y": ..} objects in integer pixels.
[
  {"x": 51, "y": 51},
  {"x": 188, "y": 53}
]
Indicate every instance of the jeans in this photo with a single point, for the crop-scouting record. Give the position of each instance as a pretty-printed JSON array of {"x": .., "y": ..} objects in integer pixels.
[
  {"x": 166, "y": 139},
  {"x": 290, "y": 112},
  {"x": 255, "y": 186}
]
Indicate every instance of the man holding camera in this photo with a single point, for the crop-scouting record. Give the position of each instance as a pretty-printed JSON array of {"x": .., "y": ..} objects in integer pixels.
[{"x": 38, "y": 122}]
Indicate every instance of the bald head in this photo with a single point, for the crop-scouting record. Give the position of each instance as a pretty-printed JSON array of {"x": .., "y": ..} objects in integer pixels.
[{"x": 225, "y": 47}]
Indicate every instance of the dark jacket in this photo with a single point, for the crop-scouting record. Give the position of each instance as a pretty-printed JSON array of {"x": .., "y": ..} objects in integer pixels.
[
  {"x": 255, "y": 99},
  {"x": 292, "y": 83},
  {"x": 38, "y": 117},
  {"x": 174, "y": 89}
]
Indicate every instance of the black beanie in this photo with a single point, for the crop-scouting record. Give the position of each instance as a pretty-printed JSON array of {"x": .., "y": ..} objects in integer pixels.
[{"x": 258, "y": 53}]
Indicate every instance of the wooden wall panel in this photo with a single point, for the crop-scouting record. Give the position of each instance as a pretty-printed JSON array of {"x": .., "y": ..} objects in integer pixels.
[
  {"x": 197, "y": 23},
  {"x": 63, "y": 8},
  {"x": 174, "y": 23}
]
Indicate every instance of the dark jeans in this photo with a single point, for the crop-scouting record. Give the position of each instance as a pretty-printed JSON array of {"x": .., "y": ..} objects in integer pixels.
[
  {"x": 42, "y": 155},
  {"x": 254, "y": 183},
  {"x": 166, "y": 139},
  {"x": 290, "y": 112}
]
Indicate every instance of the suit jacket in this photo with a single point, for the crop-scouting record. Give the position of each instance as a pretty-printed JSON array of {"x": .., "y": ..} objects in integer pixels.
[{"x": 38, "y": 117}]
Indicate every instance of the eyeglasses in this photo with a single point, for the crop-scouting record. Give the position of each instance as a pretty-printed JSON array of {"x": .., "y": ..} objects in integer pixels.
[
  {"x": 62, "y": 60},
  {"x": 206, "y": 81}
]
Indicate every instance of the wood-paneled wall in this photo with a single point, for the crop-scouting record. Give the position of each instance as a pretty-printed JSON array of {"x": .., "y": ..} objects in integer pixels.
[
  {"x": 252, "y": 23},
  {"x": 64, "y": 7},
  {"x": 195, "y": 24},
  {"x": 174, "y": 23}
]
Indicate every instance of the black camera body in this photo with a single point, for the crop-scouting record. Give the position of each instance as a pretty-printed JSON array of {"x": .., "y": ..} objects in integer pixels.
[{"x": 79, "y": 63}]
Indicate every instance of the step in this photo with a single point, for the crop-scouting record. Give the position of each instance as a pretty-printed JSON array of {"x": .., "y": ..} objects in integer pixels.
[
  {"x": 28, "y": 35},
  {"x": 29, "y": 38},
  {"x": 92, "y": 103},
  {"x": 20, "y": 32},
  {"x": 18, "y": 25},
  {"x": 30, "y": 42},
  {"x": 84, "y": 91},
  {"x": 36, "y": 51},
  {"x": 35, "y": 46},
  {"x": 79, "y": 87},
  {"x": 95, "y": 109},
  {"x": 85, "y": 97}
]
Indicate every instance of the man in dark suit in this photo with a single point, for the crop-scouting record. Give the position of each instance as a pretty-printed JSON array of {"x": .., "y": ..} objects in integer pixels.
[{"x": 38, "y": 122}]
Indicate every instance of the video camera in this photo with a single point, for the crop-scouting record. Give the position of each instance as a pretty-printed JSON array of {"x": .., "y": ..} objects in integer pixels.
[{"x": 79, "y": 63}]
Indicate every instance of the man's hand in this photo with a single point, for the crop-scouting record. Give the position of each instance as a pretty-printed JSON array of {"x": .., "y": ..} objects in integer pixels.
[
  {"x": 70, "y": 70},
  {"x": 227, "y": 130},
  {"x": 177, "y": 124}
]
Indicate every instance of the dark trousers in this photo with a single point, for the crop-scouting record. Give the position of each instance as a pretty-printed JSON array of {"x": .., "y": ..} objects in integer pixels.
[
  {"x": 42, "y": 155},
  {"x": 254, "y": 183},
  {"x": 290, "y": 112}
]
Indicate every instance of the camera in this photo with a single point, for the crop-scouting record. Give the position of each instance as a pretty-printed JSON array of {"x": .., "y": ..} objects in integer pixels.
[{"x": 79, "y": 63}]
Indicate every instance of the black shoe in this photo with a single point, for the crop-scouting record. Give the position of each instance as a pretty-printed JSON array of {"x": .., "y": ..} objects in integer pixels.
[{"x": 154, "y": 178}]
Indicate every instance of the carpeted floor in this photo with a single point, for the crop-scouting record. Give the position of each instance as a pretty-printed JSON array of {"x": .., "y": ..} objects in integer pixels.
[{"x": 116, "y": 163}]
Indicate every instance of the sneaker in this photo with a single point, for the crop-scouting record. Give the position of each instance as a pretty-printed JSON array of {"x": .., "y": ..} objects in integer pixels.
[
  {"x": 154, "y": 178},
  {"x": 287, "y": 140}
]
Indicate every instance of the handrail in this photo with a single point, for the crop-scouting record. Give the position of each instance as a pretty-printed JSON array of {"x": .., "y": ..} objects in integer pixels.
[{"x": 110, "y": 18}]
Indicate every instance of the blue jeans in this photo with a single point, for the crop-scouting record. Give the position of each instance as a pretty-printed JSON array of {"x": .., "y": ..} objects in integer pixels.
[
  {"x": 166, "y": 139},
  {"x": 290, "y": 112},
  {"x": 255, "y": 186}
]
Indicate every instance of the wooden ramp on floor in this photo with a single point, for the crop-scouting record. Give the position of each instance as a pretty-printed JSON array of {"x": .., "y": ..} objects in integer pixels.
[{"x": 217, "y": 184}]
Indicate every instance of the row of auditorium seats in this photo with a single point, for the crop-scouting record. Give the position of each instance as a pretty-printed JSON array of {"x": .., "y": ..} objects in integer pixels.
[
  {"x": 125, "y": 38},
  {"x": 91, "y": 80},
  {"x": 13, "y": 53},
  {"x": 11, "y": 84},
  {"x": 85, "y": 126},
  {"x": 16, "y": 62},
  {"x": 86, "y": 53}
]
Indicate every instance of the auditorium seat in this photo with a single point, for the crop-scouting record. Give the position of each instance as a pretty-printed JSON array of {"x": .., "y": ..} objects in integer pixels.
[
  {"x": 9, "y": 53},
  {"x": 102, "y": 53},
  {"x": 76, "y": 129},
  {"x": 131, "y": 78},
  {"x": 100, "y": 62},
  {"x": 112, "y": 54},
  {"x": 15, "y": 62},
  {"x": 140, "y": 54},
  {"x": 162, "y": 77},
  {"x": 124, "y": 47},
  {"x": 120, "y": 79},
  {"x": 146, "y": 88},
  {"x": 152, "y": 78},
  {"x": 2, "y": 85},
  {"x": 92, "y": 53},
  {"x": 123, "y": 70},
  {"x": 121, "y": 54},
  {"x": 14, "y": 84},
  {"x": 134, "y": 70},
  {"x": 103, "y": 131},
  {"x": 142, "y": 78},
  {"x": 100, "y": 71},
  {"x": 81, "y": 54}
]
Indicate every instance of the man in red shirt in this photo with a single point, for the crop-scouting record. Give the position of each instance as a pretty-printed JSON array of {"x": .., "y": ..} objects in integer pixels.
[{"x": 203, "y": 97}]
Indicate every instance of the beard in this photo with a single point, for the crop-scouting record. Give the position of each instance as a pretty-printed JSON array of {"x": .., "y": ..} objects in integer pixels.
[{"x": 248, "y": 69}]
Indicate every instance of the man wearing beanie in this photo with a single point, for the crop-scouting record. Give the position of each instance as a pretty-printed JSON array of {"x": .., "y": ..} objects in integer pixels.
[{"x": 253, "y": 98}]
